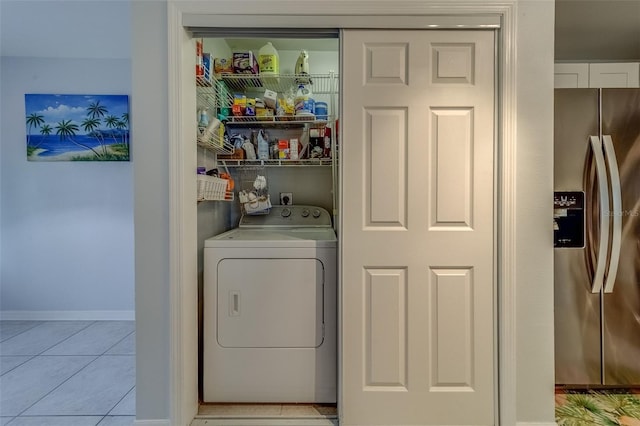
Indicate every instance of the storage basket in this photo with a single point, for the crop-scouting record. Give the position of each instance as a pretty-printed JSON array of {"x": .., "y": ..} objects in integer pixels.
[{"x": 213, "y": 188}]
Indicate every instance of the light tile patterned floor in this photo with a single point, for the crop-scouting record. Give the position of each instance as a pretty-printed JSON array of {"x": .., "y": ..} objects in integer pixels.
[{"x": 67, "y": 373}]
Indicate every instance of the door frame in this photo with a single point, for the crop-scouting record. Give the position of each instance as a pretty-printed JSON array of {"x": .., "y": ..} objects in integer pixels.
[{"x": 182, "y": 209}]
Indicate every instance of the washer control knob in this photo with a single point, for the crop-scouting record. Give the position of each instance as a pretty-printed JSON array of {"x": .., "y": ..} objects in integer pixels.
[
  {"x": 316, "y": 213},
  {"x": 285, "y": 213},
  {"x": 305, "y": 213}
]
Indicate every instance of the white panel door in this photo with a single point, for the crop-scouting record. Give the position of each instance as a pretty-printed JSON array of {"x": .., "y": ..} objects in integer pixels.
[{"x": 418, "y": 279}]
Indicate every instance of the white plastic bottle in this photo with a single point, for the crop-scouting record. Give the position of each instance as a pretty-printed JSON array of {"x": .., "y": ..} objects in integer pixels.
[
  {"x": 263, "y": 146},
  {"x": 268, "y": 60},
  {"x": 304, "y": 100}
]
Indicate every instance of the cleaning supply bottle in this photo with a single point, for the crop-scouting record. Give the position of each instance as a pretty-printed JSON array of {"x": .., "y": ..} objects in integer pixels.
[
  {"x": 263, "y": 146},
  {"x": 304, "y": 100},
  {"x": 268, "y": 60}
]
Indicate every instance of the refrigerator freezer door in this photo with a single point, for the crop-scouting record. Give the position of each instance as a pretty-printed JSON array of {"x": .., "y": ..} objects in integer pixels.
[
  {"x": 577, "y": 310},
  {"x": 621, "y": 120}
]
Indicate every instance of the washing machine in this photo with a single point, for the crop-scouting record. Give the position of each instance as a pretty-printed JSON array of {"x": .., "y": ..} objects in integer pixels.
[{"x": 269, "y": 309}]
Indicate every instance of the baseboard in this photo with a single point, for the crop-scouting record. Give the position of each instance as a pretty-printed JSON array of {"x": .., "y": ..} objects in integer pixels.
[
  {"x": 162, "y": 422},
  {"x": 68, "y": 315}
]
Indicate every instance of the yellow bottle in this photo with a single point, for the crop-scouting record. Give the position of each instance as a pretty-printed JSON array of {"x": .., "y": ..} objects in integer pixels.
[{"x": 268, "y": 60}]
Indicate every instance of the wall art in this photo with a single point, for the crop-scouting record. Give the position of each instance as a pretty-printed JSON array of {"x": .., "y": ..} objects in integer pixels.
[{"x": 77, "y": 127}]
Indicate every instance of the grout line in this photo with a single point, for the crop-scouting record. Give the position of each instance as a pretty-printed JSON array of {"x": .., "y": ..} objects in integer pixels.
[
  {"x": 115, "y": 344},
  {"x": 95, "y": 358},
  {"x": 29, "y": 358},
  {"x": 119, "y": 401},
  {"x": 37, "y": 323},
  {"x": 66, "y": 338},
  {"x": 61, "y": 383}
]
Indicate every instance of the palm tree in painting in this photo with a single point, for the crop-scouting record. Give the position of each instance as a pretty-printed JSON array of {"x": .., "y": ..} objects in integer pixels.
[
  {"x": 66, "y": 129},
  {"x": 112, "y": 123},
  {"x": 122, "y": 126},
  {"x": 90, "y": 125},
  {"x": 33, "y": 120},
  {"x": 44, "y": 131},
  {"x": 95, "y": 110},
  {"x": 124, "y": 119}
]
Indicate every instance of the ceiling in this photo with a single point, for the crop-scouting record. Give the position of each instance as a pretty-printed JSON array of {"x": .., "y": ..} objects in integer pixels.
[{"x": 585, "y": 29}]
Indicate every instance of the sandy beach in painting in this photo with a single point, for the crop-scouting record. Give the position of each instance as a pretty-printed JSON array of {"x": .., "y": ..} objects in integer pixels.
[{"x": 66, "y": 156}]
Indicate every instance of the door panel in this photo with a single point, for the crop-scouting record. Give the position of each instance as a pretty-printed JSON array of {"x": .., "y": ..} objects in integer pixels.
[{"x": 418, "y": 237}]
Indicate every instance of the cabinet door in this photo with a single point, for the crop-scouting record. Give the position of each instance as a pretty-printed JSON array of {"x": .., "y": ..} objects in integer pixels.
[
  {"x": 418, "y": 285},
  {"x": 626, "y": 74},
  {"x": 571, "y": 76}
]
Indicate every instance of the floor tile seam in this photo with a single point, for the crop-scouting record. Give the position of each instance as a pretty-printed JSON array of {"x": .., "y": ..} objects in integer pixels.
[
  {"x": 59, "y": 415},
  {"x": 119, "y": 401},
  {"x": 23, "y": 331},
  {"x": 66, "y": 338},
  {"x": 30, "y": 357},
  {"x": 118, "y": 342},
  {"x": 93, "y": 323},
  {"x": 96, "y": 358},
  {"x": 60, "y": 384}
]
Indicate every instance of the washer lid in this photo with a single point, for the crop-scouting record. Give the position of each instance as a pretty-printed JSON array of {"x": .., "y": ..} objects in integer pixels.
[{"x": 274, "y": 237}]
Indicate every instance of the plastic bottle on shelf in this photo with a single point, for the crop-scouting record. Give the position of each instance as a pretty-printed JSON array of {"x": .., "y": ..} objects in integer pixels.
[
  {"x": 263, "y": 146},
  {"x": 211, "y": 133},
  {"x": 223, "y": 99},
  {"x": 269, "y": 65},
  {"x": 203, "y": 119},
  {"x": 304, "y": 101},
  {"x": 268, "y": 60}
]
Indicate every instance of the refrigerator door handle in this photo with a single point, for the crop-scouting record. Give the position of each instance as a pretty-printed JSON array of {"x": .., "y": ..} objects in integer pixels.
[
  {"x": 603, "y": 191},
  {"x": 616, "y": 211}
]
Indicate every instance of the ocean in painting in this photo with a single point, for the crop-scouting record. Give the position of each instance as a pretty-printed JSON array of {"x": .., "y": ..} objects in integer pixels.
[{"x": 52, "y": 145}]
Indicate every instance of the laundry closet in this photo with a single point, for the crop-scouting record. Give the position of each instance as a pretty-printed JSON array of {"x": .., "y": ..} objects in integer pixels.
[
  {"x": 267, "y": 116},
  {"x": 346, "y": 226}
]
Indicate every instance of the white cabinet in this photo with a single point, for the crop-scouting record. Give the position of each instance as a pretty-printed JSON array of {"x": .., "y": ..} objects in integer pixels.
[
  {"x": 571, "y": 76},
  {"x": 625, "y": 74},
  {"x": 597, "y": 74}
]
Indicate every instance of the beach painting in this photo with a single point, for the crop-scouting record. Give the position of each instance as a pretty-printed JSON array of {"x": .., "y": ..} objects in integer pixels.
[{"x": 77, "y": 127}]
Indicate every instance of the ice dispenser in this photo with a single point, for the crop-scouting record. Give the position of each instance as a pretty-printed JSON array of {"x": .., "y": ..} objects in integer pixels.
[{"x": 568, "y": 219}]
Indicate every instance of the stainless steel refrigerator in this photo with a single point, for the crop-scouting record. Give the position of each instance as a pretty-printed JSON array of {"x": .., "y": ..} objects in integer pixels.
[{"x": 597, "y": 237}]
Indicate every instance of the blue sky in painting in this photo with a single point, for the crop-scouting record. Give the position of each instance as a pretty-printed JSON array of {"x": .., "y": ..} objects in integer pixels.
[{"x": 55, "y": 108}]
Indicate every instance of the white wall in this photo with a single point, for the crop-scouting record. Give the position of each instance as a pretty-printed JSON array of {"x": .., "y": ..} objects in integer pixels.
[
  {"x": 66, "y": 228},
  {"x": 151, "y": 207},
  {"x": 534, "y": 182}
]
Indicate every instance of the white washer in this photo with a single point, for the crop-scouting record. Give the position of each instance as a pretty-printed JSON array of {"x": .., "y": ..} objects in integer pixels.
[{"x": 269, "y": 322}]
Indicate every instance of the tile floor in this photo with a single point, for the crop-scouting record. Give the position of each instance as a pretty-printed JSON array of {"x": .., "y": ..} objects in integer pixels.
[{"x": 67, "y": 373}]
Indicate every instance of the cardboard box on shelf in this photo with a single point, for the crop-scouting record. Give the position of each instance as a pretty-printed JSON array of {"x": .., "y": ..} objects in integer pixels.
[{"x": 245, "y": 63}]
